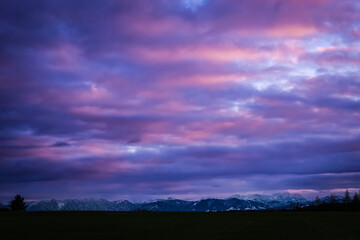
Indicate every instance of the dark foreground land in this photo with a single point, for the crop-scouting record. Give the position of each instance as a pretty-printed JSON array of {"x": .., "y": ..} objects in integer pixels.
[{"x": 165, "y": 225}]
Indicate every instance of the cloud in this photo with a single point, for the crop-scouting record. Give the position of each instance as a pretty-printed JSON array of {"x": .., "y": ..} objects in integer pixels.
[
  {"x": 171, "y": 97},
  {"x": 61, "y": 144}
]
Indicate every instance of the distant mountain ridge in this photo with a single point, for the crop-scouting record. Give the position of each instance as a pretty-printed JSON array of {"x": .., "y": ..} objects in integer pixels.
[
  {"x": 237, "y": 202},
  {"x": 276, "y": 200},
  {"x": 4, "y": 206},
  {"x": 80, "y": 205}
]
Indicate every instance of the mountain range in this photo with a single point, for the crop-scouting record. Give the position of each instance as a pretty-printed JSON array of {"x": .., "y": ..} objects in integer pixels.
[{"x": 235, "y": 203}]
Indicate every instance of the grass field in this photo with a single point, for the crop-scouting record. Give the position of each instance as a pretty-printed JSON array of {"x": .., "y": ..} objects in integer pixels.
[{"x": 164, "y": 225}]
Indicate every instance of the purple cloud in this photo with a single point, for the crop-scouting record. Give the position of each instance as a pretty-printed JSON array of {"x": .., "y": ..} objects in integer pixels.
[{"x": 148, "y": 99}]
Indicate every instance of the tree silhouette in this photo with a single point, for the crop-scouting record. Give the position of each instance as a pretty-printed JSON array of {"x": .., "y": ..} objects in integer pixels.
[
  {"x": 347, "y": 204},
  {"x": 356, "y": 198},
  {"x": 333, "y": 199},
  {"x": 347, "y": 198},
  {"x": 355, "y": 202},
  {"x": 18, "y": 204}
]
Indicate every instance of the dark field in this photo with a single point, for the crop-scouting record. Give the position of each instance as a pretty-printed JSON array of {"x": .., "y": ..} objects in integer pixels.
[{"x": 164, "y": 225}]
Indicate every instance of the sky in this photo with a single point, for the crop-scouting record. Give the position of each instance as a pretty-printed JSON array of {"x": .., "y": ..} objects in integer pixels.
[{"x": 149, "y": 99}]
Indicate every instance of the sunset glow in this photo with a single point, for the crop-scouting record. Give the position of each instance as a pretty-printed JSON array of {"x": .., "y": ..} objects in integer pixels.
[{"x": 139, "y": 100}]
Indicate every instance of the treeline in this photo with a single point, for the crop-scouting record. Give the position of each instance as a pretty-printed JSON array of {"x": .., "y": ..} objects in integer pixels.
[{"x": 348, "y": 203}]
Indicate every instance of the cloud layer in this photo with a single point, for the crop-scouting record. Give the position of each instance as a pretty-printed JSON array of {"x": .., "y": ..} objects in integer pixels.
[{"x": 149, "y": 99}]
